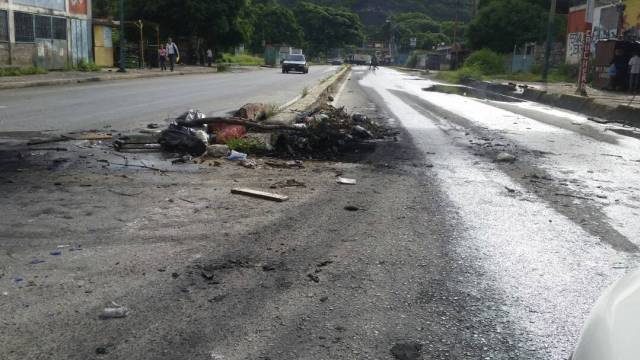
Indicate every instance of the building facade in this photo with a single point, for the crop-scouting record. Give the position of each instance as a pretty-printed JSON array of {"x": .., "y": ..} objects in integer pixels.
[
  {"x": 52, "y": 34},
  {"x": 610, "y": 21}
]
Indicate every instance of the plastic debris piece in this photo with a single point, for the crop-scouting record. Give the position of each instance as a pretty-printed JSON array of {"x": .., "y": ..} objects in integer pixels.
[
  {"x": 237, "y": 156},
  {"x": 36, "y": 261},
  {"x": 346, "y": 181},
  {"x": 55, "y": 253},
  {"x": 114, "y": 313}
]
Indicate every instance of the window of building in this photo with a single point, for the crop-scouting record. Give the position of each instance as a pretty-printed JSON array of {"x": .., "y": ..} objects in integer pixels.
[
  {"x": 23, "y": 27},
  {"x": 59, "y": 28},
  {"x": 4, "y": 26},
  {"x": 43, "y": 27}
]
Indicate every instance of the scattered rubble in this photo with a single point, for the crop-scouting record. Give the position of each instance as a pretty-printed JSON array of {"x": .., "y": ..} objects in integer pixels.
[{"x": 324, "y": 133}]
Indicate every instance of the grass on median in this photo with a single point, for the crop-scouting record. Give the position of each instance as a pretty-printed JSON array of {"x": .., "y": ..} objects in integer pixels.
[
  {"x": 20, "y": 71},
  {"x": 242, "y": 59}
]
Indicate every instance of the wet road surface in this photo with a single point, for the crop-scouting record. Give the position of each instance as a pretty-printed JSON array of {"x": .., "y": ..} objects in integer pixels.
[
  {"x": 130, "y": 104},
  {"x": 547, "y": 232}
]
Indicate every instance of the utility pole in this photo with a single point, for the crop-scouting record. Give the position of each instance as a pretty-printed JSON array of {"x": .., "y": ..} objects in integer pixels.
[
  {"x": 549, "y": 44},
  {"x": 586, "y": 50},
  {"x": 121, "y": 62}
]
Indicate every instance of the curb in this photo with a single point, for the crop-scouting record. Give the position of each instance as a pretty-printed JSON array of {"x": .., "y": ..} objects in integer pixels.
[
  {"x": 318, "y": 95},
  {"x": 587, "y": 106}
]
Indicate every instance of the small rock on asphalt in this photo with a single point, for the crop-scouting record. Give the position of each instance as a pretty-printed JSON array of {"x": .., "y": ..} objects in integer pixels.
[{"x": 505, "y": 157}]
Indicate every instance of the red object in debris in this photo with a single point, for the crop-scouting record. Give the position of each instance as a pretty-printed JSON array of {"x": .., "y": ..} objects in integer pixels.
[{"x": 224, "y": 132}]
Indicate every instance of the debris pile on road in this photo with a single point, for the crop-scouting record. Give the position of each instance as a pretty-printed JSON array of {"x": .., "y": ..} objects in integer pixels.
[
  {"x": 328, "y": 132},
  {"x": 325, "y": 133}
]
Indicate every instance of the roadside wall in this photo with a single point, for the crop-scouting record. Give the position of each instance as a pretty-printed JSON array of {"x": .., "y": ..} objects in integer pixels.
[{"x": 47, "y": 33}]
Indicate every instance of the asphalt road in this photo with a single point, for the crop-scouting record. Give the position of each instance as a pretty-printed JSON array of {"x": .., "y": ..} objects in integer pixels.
[
  {"x": 131, "y": 104},
  {"x": 468, "y": 257}
]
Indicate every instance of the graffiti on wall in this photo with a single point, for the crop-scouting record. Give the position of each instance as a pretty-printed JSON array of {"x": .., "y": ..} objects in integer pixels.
[
  {"x": 78, "y": 6},
  {"x": 574, "y": 47}
]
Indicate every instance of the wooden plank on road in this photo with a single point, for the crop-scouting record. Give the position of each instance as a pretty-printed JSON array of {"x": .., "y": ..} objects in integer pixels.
[{"x": 260, "y": 194}]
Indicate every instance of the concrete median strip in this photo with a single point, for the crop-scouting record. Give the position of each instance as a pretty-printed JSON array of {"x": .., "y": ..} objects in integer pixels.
[{"x": 316, "y": 96}]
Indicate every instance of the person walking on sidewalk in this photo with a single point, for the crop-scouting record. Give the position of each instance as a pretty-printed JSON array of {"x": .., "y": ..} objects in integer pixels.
[
  {"x": 173, "y": 53},
  {"x": 634, "y": 70},
  {"x": 162, "y": 58},
  {"x": 209, "y": 57}
]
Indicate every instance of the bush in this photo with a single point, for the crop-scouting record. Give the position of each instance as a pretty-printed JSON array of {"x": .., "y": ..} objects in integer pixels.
[
  {"x": 19, "y": 71},
  {"x": 412, "y": 61},
  {"x": 485, "y": 61},
  {"x": 247, "y": 145},
  {"x": 242, "y": 59},
  {"x": 567, "y": 71},
  {"x": 87, "y": 67}
]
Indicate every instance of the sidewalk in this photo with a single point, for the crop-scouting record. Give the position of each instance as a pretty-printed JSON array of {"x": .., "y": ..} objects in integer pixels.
[
  {"x": 600, "y": 106},
  {"x": 107, "y": 74},
  {"x": 609, "y": 98}
]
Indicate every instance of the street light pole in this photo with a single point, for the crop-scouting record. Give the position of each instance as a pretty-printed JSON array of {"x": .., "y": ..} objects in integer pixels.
[
  {"x": 121, "y": 62},
  {"x": 549, "y": 45}
]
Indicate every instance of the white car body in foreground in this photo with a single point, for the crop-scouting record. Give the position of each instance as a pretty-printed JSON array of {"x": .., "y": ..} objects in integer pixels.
[{"x": 612, "y": 331}]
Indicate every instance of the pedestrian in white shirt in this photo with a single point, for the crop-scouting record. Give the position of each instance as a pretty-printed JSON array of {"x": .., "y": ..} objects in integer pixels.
[
  {"x": 634, "y": 70},
  {"x": 172, "y": 53},
  {"x": 209, "y": 57}
]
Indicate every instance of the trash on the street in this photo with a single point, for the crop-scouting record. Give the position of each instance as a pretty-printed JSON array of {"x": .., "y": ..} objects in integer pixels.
[
  {"x": 55, "y": 253},
  {"x": 181, "y": 139},
  {"x": 259, "y": 194},
  {"x": 188, "y": 118},
  {"x": 114, "y": 312},
  {"x": 351, "y": 208},
  {"x": 36, "y": 261},
  {"x": 225, "y": 132},
  {"x": 360, "y": 132},
  {"x": 346, "y": 181},
  {"x": 203, "y": 136},
  {"x": 237, "y": 156},
  {"x": 217, "y": 150}
]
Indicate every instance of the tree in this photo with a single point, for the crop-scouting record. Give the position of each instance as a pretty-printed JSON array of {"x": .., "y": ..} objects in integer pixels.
[
  {"x": 501, "y": 24},
  {"x": 326, "y": 28},
  {"x": 405, "y": 26},
  {"x": 274, "y": 24},
  {"x": 222, "y": 23}
]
